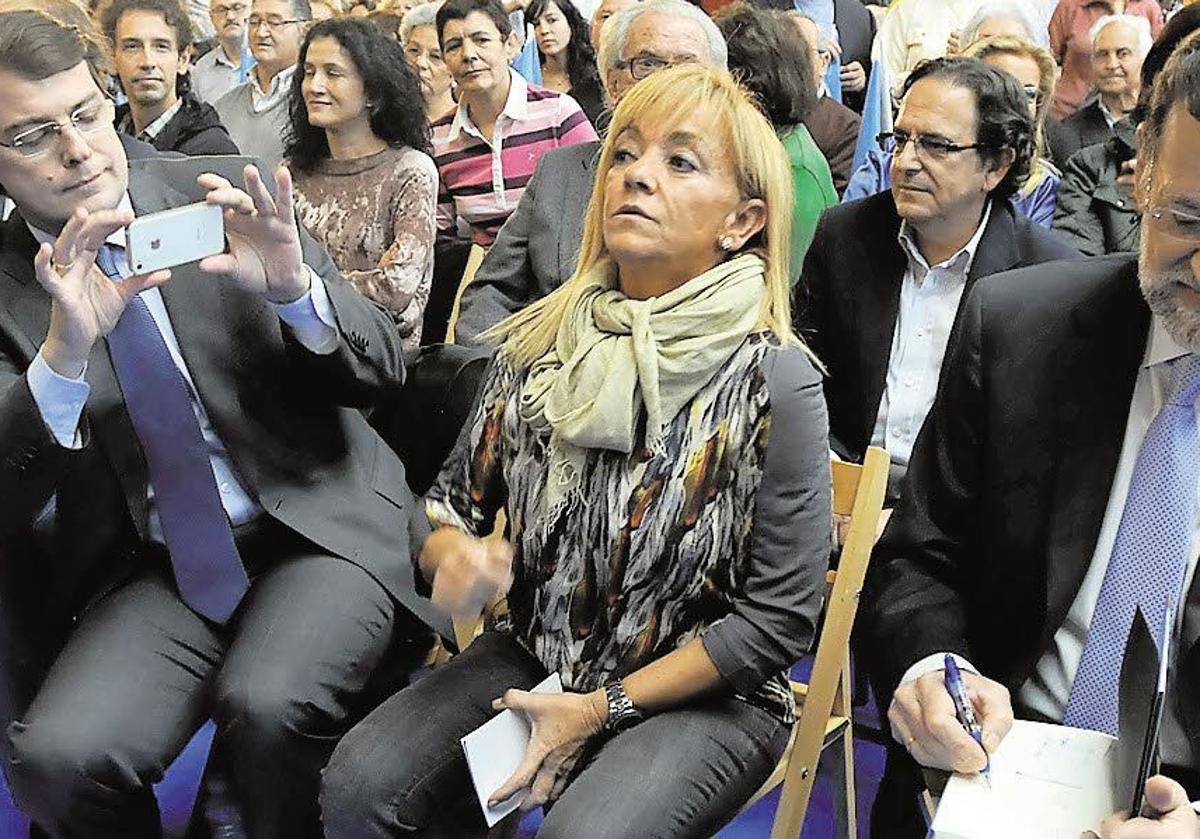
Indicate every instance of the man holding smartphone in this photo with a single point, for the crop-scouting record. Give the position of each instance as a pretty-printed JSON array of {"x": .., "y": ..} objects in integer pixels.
[{"x": 192, "y": 498}]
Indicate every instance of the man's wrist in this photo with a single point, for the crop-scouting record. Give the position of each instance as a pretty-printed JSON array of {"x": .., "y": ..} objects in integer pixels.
[
  {"x": 598, "y": 709},
  {"x": 63, "y": 361},
  {"x": 284, "y": 294}
]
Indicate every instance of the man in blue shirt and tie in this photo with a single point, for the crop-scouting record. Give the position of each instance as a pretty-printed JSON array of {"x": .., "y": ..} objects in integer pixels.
[
  {"x": 1053, "y": 490},
  {"x": 193, "y": 502}
]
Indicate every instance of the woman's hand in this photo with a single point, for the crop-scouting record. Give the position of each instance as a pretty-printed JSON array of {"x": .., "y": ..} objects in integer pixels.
[
  {"x": 264, "y": 242},
  {"x": 562, "y": 724},
  {"x": 467, "y": 573}
]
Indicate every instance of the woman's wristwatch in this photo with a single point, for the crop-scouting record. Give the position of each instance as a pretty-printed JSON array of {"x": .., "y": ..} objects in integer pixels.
[{"x": 622, "y": 713}]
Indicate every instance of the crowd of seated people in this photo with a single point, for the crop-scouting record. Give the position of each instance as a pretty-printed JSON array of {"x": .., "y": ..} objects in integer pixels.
[{"x": 703, "y": 275}]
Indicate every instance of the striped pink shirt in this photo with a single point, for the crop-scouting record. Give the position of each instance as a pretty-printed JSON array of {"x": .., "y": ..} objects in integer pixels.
[{"x": 482, "y": 184}]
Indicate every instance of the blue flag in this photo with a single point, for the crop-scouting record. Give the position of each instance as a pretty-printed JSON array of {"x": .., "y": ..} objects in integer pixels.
[
  {"x": 876, "y": 115},
  {"x": 529, "y": 60}
]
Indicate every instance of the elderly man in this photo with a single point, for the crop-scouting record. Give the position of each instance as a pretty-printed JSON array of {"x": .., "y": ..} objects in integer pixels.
[
  {"x": 601, "y": 16},
  {"x": 833, "y": 126},
  {"x": 882, "y": 281},
  {"x": 1119, "y": 45},
  {"x": 229, "y": 62},
  {"x": 1052, "y": 491},
  {"x": 537, "y": 249},
  {"x": 256, "y": 113},
  {"x": 192, "y": 495}
]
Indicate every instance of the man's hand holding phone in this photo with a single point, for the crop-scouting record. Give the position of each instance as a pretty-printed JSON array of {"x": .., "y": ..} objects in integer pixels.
[
  {"x": 264, "y": 253},
  {"x": 85, "y": 303}
]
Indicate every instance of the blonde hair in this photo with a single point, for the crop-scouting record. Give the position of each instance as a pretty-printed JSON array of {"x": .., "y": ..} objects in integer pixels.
[
  {"x": 762, "y": 170},
  {"x": 1047, "y": 79}
]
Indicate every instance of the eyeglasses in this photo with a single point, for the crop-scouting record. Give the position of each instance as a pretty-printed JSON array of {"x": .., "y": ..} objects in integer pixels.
[
  {"x": 86, "y": 119},
  {"x": 932, "y": 148},
  {"x": 1032, "y": 92},
  {"x": 647, "y": 65},
  {"x": 271, "y": 23},
  {"x": 1177, "y": 223},
  {"x": 237, "y": 10}
]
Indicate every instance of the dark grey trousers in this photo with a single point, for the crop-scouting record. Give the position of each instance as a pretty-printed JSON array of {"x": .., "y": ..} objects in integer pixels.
[
  {"x": 141, "y": 672},
  {"x": 683, "y": 773}
]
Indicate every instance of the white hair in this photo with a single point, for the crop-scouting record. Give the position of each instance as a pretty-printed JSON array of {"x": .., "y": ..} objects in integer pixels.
[
  {"x": 1140, "y": 25},
  {"x": 616, "y": 32},
  {"x": 417, "y": 16},
  {"x": 1015, "y": 10}
]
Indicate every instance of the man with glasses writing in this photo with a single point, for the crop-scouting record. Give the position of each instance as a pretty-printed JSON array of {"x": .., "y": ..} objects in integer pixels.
[
  {"x": 229, "y": 62},
  {"x": 538, "y": 246},
  {"x": 882, "y": 281},
  {"x": 256, "y": 113},
  {"x": 1053, "y": 491}
]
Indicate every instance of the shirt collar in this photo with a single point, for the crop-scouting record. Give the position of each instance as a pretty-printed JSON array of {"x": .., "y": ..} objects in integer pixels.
[
  {"x": 117, "y": 237},
  {"x": 278, "y": 89},
  {"x": 155, "y": 128},
  {"x": 1161, "y": 347},
  {"x": 516, "y": 108},
  {"x": 960, "y": 263},
  {"x": 221, "y": 58},
  {"x": 1108, "y": 115}
]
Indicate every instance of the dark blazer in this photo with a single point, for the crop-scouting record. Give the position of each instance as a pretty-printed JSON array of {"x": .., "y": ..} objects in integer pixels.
[
  {"x": 1085, "y": 127},
  {"x": 1008, "y": 486},
  {"x": 856, "y": 33},
  {"x": 537, "y": 249},
  {"x": 1094, "y": 213},
  {"x": 290, "y": 419},
  {"x": 834, "y": 128},
  {"x": 848, "y": 299},
  {"x": 194, "y": 130}
]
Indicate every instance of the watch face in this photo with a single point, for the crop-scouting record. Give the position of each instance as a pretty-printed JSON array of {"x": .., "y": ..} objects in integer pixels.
[{"x": 624, "y": 722}]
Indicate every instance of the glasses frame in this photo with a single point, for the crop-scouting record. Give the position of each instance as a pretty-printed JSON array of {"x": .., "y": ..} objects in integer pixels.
[
  {"x": 928, "y": 147},
  {"x": 252, "y": 26},
  {"x": 637, "y": 67},
  {"x": 56, "y": 128},
  {"x": 1171, "y": 215},
  {"x": 226, "y": 11}
]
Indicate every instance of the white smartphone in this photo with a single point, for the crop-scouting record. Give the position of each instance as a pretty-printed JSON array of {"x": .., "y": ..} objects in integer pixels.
[{"x": 174, "y": 237}]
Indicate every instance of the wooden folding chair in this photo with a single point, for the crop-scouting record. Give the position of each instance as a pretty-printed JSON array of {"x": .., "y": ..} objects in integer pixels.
[
  {"x": 823, "y": 705},
  {"x": 473, "y": 262}
]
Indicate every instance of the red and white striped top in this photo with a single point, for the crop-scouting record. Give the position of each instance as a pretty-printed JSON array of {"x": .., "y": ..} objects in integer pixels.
[{"x": 481, "y": 183}]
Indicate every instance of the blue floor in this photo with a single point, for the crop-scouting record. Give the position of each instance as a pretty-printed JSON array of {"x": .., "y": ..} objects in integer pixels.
[{"x": 177, "y": 791}]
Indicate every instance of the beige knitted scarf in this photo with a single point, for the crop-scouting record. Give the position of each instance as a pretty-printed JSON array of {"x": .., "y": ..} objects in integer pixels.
[{"x": 614, "y": 356}]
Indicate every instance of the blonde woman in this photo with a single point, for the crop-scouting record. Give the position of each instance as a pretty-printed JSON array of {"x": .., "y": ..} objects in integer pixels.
[{"x": 656, "y": 436}]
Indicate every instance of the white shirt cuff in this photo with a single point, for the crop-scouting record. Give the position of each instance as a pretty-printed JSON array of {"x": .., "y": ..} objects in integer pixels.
[
  {"x": 930, "y": 663},
  {"x": 59, "y": 400},
  {"x": 311, "y": 317}
]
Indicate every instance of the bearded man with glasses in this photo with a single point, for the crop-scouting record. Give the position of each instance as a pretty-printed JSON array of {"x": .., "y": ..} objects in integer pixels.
[{"x": 882, "y": 281}]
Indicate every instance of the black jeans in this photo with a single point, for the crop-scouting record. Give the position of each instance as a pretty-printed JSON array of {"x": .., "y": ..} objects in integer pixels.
[
  {"x": 142, "y": 672},
  {"x": 682, "y": 773}
]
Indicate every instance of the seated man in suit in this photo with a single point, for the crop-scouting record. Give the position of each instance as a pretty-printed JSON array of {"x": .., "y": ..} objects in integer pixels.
[
  {"x": 151, "y": 52},
  {"x": 189, "y": 485},
  {"x": 882, "y": 281},
  {"x": 1119, "y": 45},
  {"x": 1052, "y": 490},
  {"x": 537, "y": 249}
]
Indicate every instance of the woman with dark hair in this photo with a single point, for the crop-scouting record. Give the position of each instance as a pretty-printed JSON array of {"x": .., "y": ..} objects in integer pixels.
[
  {"x": 568, "y": 59},
  {"x": 770, "y": 56},
  {"x": 366, "y": 187}
]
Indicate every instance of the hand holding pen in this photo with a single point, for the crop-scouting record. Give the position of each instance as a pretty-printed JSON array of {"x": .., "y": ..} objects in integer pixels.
[
  {"x": 925, "y": 721},
  {"x": 965, "y": 710}
]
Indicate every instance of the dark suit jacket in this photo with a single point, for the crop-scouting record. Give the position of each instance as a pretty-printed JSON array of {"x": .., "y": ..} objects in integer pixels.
[
  {"x": 194, "y": 130},
  {"x": 290, "y": 419},
  {"x": 1085, "y": 127},
  {"x": 856, "y": 33},
  {"x": 834, "y": 128},
  {"x": 537, "y": 249},
  {"x": 1010, "y": 478},
  {"x": 848, "y": 299}
]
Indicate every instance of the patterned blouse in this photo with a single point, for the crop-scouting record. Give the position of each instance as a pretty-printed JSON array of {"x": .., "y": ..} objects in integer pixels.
[
  {"x": 376, "y": 217},
  {"x": 722, "y": 533}
]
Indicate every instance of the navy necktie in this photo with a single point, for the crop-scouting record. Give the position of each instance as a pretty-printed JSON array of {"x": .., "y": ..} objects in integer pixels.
[
  {"x": 1150, "y": 555},
  {"x": 208, "y": 571}
]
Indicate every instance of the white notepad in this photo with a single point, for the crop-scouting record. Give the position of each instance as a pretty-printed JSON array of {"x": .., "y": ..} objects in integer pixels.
[
  {"x": 496, "y": 749},
  {"x": 1047, "y": 782}
]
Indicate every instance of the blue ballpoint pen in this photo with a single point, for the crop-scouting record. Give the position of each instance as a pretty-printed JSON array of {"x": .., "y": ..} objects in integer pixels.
[{"x": 964, "y": 710}]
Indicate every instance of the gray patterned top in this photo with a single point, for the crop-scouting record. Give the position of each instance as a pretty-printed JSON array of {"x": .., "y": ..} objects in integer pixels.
[{"x": 723, "y": 533}]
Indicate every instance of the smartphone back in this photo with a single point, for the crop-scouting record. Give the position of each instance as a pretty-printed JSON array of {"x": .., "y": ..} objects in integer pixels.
[{"x": 174, "y": 237}]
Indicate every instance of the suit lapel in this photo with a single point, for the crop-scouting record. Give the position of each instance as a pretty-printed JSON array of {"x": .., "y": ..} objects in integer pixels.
[
  {"x": 1095, "y": 385},
  {"x": 581, "y": 181},
  {"x": 998, "y": 248},
  {"x": 878, "y": 303}
]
